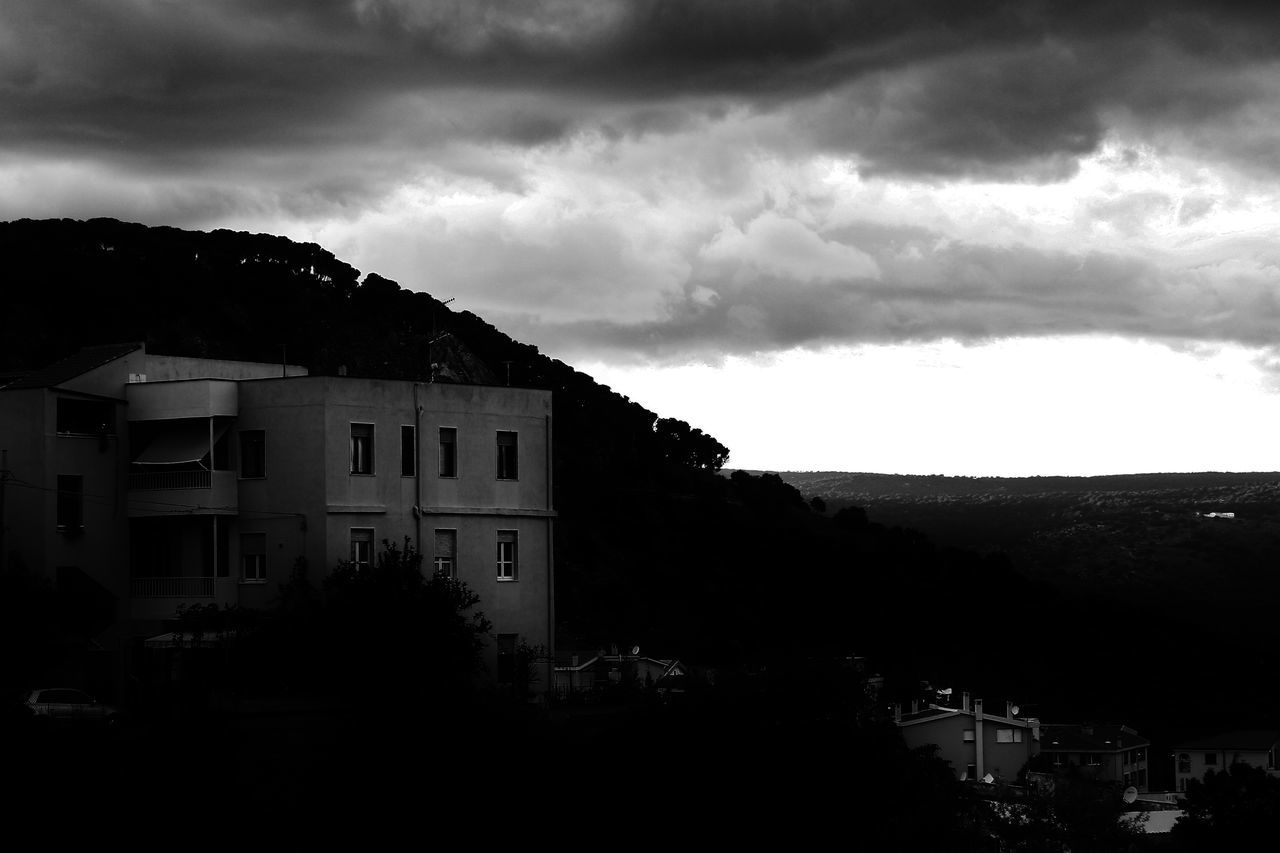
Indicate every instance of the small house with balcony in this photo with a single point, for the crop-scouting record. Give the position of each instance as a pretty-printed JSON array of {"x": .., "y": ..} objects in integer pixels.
[
  {"x": 1107, "y": 752},
  {"x": 146, "y": 482}
]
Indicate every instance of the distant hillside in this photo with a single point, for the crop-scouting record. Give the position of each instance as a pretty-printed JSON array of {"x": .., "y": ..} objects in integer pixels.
[{"x": 1147, "y": 533}]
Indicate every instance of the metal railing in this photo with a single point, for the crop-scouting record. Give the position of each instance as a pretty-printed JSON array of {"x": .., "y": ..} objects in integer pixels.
[
  {"x": 171, "y": 480},
  {"x": 200, "y": 587}
]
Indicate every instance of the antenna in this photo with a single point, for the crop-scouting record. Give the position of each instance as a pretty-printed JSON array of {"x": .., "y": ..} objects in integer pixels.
[{"x": 1130, "y": 794}]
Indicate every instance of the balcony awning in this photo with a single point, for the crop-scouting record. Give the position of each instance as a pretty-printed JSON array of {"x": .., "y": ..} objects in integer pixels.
[{"x": 181, "y": 442}]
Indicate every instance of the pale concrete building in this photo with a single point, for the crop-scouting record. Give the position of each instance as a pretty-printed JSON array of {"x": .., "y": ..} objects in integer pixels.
[
  {"x": 166, "y": 481},
  {"x": 1255, "y": 747}
]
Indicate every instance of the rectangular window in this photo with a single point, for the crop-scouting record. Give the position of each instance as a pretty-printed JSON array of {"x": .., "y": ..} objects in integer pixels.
[
  {"x": 1004, "y": 735},
  {"x": 508, "y": 456},
  {"x": 507, "y": 555},
  {"x": 447, "y": 553},
  {"x": 408, "y": 451},
  {"x": 362, "y": 448},
  {"x": 970, "y": 773},
  {"x": 362, "y": 548},
  {"x": 968, "y": 735},
  {"x": 1017, "y": 735},
  {"x": 1184, "y": 762},
  {"x": 253, "y": 556},
  {"x": 253, "y": 453},
  {"x": 86, "y": 417},
  {"x": 448, "y": 452},
  {"x": 70, "y": 502},
  {"x": 1211, "y": 758}
]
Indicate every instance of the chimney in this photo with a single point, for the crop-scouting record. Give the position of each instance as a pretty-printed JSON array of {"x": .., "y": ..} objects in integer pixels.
[
  {"x": 977, "y": 737},
  {"x": 915, "y": 705},
  {"x": 897, "y": 713},
  {"x": 964, "y": 701},
  {"x": 1008, "y": 709}
]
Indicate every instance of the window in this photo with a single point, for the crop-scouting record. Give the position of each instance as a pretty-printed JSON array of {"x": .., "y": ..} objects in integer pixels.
[
  {"x": 447, "y": 553},
  {"x": 253, "y": 556},
  {"x": 968, "y": 735},
  {"x": 970, "y": 773},
  {"x": 1004, "y": 735},
  {"x": 253, "y": 453},
  {"x": 86, "y": 417},
  {"x": 448, "y": 452},
  {"x": 1271, "y": 759},
  {"x": 1057, "y": 760},
  {"x": 1091, "y": 758},
  {"x": 362, "y": 548},
  {"x": 508, "y": 458},
  {"x": 1211, "y": 759},
  {"x": 1184, "y": 762},
  {"x": 70, "y": 502},
  {"x": 362, "y": 448},
  {"x": 408, "y": 451},
  {"x": 1017, "y": 735},
  {"x": 506, "y": 555}
]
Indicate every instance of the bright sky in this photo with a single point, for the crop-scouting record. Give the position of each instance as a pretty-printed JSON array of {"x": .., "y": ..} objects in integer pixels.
[{"x": 926, "y": 237}]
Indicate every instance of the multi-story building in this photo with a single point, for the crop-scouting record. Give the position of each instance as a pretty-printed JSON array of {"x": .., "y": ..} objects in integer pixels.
[
  {"x": 1107, "y": 752},
  {"x": 1256, "y": 747},
  {"x": 157, "y": 481},
  {"x": 976, "y": 743}
]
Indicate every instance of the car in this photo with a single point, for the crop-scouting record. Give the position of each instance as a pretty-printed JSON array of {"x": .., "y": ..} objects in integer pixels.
[{"x": 69, "y": 705}]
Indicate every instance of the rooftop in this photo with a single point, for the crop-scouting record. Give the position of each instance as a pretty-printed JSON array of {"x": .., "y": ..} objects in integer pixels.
[
  {"x": 72, "y": 366},
  {"x": 1096, "y": 737},
  {"x": 1257, "y": 740}
]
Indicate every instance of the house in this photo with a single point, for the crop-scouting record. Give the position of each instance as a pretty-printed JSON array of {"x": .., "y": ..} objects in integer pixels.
[
  {"x": 1194, "y": 758},
  {"x": 1108, "y": 752},
  {"x": 143, "y": 482},
  {"x": 975, "y": 742}
]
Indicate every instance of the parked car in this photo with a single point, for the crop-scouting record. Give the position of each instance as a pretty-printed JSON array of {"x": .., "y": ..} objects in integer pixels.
[{"x": 68, "y": 705}]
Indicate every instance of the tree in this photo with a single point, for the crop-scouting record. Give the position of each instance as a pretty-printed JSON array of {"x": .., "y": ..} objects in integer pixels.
[
  {"x": 389, "y": 625},
  {"x": 1233, "y": 809}
]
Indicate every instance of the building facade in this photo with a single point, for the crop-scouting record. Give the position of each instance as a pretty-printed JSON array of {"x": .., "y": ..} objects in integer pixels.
[
  {"x": 1107, "y": 752},
  {"x": 1195, "y": 758},
  {"x": 976, "y": 743},
  {"x": 166, "y": 481}
]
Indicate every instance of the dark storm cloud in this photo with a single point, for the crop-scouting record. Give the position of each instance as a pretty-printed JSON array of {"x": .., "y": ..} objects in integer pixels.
[{"x": 940, "y": 88}]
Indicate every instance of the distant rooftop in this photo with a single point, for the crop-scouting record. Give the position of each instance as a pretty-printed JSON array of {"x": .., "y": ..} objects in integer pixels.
[
  {"x": 1253, "y": 740},
  {"x": 1078, "y": 737}
]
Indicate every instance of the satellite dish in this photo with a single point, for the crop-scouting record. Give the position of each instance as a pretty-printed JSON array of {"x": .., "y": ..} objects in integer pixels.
[
  {"x": 635, "y": 650},
  {"x": 1130, "y": 794},
  {"x": 1015, "y": 709},
  {"x": 988, "y": 778},
  {"x": 417, "y": 511}
]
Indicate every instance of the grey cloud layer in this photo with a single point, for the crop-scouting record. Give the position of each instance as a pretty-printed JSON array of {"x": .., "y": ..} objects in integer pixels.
[{"x": 940, "y": 87}]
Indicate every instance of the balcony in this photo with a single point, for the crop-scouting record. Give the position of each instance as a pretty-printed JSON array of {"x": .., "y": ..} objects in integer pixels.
[
  {"x": 159, "y": 597},
  {"x": 157, "y": 493}
]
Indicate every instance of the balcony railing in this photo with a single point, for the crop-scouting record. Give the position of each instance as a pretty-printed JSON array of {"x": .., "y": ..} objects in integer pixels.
[
  {"x": 199, "y": 587},
  {"x": 171, "y": 480}
]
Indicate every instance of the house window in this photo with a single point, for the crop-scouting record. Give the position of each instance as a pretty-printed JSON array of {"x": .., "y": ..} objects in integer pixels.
[
  {"x": 253, "y": 556},
  {"x": 968, "y": 735},
  {"x": 1092, "y": 759},
  {"x": 1057, "y": 759},
  {"x": 448, "y": 452},
  {"x": 253, "y": 453},
  {"x": 1184, "y": 762},
  {"x": 85, "y": 417},
  {"x": 70, "y": 502},
  {"x": 408, "y": 451},
  {"x": 508, "y": 458},
  {"x": 1271, "y": 759},
  {"x": 362, "y": 548},
  {"x": 506, "y": 555},
  {"x": 362, "y": 448},
  {"x": 1004, "y": 735},
  {"x": 1017, "y": 735},
  {"x": 1211, "y": 759},
  {"x": 970, "y": 773},
  {"x": 447, "y": 553}
]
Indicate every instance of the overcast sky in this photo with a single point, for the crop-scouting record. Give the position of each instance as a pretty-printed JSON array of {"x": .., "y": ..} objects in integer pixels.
[{"x": 933, "y": 237}]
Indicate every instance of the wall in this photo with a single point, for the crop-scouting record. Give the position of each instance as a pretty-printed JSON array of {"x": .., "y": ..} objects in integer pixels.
[{"x": 159, "y": 368}]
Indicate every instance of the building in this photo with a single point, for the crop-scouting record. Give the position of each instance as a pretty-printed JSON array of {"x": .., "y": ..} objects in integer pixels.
[
  {"x": 1107, "y": 752},
  {"x": 145, "y": 482},
  {"x": 584, "y": 673},
  {"x": 1194, "y": 758},
  {"x": 976, "y": 743}
]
